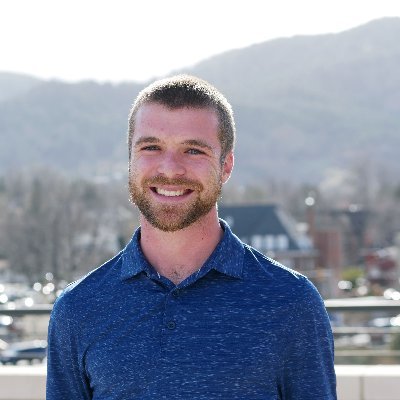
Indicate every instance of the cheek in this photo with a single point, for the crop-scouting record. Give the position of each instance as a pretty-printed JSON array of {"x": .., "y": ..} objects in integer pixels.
[
  {"x": 135, "y": 174},
  {"x": 204, "y": 167},
  {"x": 140, "y": 165},
  {"x": 214, "y": 176}
]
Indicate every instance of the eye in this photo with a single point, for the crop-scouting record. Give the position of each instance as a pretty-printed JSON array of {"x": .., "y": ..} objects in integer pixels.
[
  {"x": 150, "y": 148},
  {"x": 195, "y": 151}
]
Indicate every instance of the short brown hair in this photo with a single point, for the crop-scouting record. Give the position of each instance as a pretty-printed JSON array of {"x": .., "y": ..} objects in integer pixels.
[{"x": 188, "y": 91}]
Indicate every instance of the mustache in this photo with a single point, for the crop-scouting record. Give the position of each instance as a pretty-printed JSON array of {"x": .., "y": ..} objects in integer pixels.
[{"x": 162, "y": 180}]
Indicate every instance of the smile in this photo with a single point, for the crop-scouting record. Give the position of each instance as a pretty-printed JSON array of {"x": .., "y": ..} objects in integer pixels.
[{"x": 170, "y": 193}]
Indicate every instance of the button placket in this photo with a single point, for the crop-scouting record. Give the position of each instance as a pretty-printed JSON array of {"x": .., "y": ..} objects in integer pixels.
[
  {"x": 170, "y": 322},
  {"x": 170, "y": 314}
]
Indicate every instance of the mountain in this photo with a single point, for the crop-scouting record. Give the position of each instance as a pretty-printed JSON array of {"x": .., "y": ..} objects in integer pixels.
[
  {"x": 303, "y": 105},
  {"x": 79, "y": 128},
  {"x": 13, "y": 85},
  {"x": 308, "y": 103}
]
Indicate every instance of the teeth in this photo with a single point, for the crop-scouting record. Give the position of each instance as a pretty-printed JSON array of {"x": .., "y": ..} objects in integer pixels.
[{"x": 170, "y": 193}]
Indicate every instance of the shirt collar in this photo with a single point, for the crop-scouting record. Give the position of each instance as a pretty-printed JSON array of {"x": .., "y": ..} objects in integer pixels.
[{"x": 227, "y": 257}]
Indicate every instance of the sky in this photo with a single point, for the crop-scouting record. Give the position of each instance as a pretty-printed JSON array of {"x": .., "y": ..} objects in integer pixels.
[{"x": 129, "y": 40}]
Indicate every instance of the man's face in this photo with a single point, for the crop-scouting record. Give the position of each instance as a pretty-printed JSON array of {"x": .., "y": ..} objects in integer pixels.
[{"x": 175, "y": 170}]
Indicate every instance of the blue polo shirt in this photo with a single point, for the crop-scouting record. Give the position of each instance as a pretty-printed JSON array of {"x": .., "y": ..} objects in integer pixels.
[{"x": 241, "y": 327}]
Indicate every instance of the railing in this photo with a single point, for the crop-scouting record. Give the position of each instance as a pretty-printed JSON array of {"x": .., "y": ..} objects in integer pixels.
[
  {"x": 358, "y": 343},
  {"x": 42, "y": 309},
  {"x": 376, "y": 345},
  {"x": 332, "y": 305},
  {"x": 359, "y": 304}
]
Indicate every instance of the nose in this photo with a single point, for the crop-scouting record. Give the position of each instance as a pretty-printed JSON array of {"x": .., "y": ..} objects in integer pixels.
[{"x": 171, "y": 165}]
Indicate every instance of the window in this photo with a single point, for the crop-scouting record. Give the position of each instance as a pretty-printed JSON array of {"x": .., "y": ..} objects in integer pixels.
[
  {"x": 269, "y": 242},
  {"x": 257, "y": 242},
  {"x": 282, "y": 242}
]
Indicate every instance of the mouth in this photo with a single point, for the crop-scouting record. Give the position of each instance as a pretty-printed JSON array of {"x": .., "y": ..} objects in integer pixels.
[
  {"x": 172, "y": 190},
  {"x": 170, "y": 193}
]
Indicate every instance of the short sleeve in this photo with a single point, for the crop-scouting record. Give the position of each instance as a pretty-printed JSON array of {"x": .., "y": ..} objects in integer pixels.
[
  {"x": 308, "y": 365},
  {"x": 66, "y": 380}
]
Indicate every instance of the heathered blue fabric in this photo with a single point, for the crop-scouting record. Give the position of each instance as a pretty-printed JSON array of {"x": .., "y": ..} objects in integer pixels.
[{"x": 242, "y": 327}]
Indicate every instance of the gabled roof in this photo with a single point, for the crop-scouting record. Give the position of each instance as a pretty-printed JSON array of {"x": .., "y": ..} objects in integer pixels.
[{"x": 247, "y": 221}]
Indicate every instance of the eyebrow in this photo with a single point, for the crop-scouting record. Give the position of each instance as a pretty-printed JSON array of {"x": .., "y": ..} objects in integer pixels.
[
  {"x": 198, "y": 143},
  {"x": 189, "y": 142},
  {"x": 147, "y": 139}
]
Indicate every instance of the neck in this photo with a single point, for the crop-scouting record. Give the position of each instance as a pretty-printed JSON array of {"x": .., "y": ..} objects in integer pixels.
[{"x": 176, "y": 255}]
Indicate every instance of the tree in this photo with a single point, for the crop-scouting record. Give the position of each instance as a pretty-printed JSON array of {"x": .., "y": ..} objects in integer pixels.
[{"x": 52, "y": 224}]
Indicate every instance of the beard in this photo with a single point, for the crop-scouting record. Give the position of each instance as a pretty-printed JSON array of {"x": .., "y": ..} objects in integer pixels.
[{"x": 174, "y": 217}]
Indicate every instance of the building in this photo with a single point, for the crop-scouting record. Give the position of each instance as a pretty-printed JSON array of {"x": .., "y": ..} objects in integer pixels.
[{"x": 276, "y": 234}]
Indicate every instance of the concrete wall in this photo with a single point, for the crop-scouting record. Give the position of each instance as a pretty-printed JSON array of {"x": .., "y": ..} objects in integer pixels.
[
  {"x": 369, "y": 382},
  {"x": 375, "y": 382},
  {"x": 22, "y": 382}
]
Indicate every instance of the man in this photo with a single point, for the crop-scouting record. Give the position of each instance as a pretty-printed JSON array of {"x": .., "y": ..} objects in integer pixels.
[{"x": 186, "y": 310}]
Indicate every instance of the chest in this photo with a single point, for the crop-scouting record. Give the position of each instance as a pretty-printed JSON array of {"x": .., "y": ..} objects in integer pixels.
[{"x": 183, "y": 339}]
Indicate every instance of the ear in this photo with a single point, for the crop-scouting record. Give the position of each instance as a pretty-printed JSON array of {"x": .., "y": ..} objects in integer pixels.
[{"x": 227, "y": 167}]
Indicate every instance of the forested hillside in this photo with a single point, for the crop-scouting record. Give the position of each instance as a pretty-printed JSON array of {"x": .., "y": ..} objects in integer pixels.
[{"x": 303, "y": 106}]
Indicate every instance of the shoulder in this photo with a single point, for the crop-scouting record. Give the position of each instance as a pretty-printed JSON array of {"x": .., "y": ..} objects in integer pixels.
[
  {"x": 87, "y": 289},
  {"x": 258, "y": 263},
  {"x": 284, "y": 282},
  {"x": 290, "y": 294}
]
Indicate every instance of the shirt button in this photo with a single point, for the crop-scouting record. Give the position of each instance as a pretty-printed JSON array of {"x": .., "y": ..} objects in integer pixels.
[
  {"x": 171, "y": 325},
  {"x": 175, "y": 293}
]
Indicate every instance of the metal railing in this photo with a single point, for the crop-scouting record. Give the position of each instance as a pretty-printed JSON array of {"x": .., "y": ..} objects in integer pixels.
[
  {"x": 367, "y": 352},
  {"x": 359, "y": 304},
  {"x": 363, "y": 343},
  {"x": 42, "y": 309}
]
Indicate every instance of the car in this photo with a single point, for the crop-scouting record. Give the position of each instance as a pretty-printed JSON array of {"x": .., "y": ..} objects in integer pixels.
[
  {"x": 9, "y": 328},
  {"x": 5, "y": 324},
  {"x": 383, "y": 323},
  {"x": 3, "y": 345},
  {"x": 31, "y": 351}
]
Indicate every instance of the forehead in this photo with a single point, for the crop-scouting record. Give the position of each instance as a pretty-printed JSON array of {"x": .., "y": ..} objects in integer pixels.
[{"x": 157, "y": 119}]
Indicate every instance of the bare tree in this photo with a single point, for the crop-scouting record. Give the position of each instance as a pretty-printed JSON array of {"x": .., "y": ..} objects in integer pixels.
[{"x": 53, "y": 224}]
